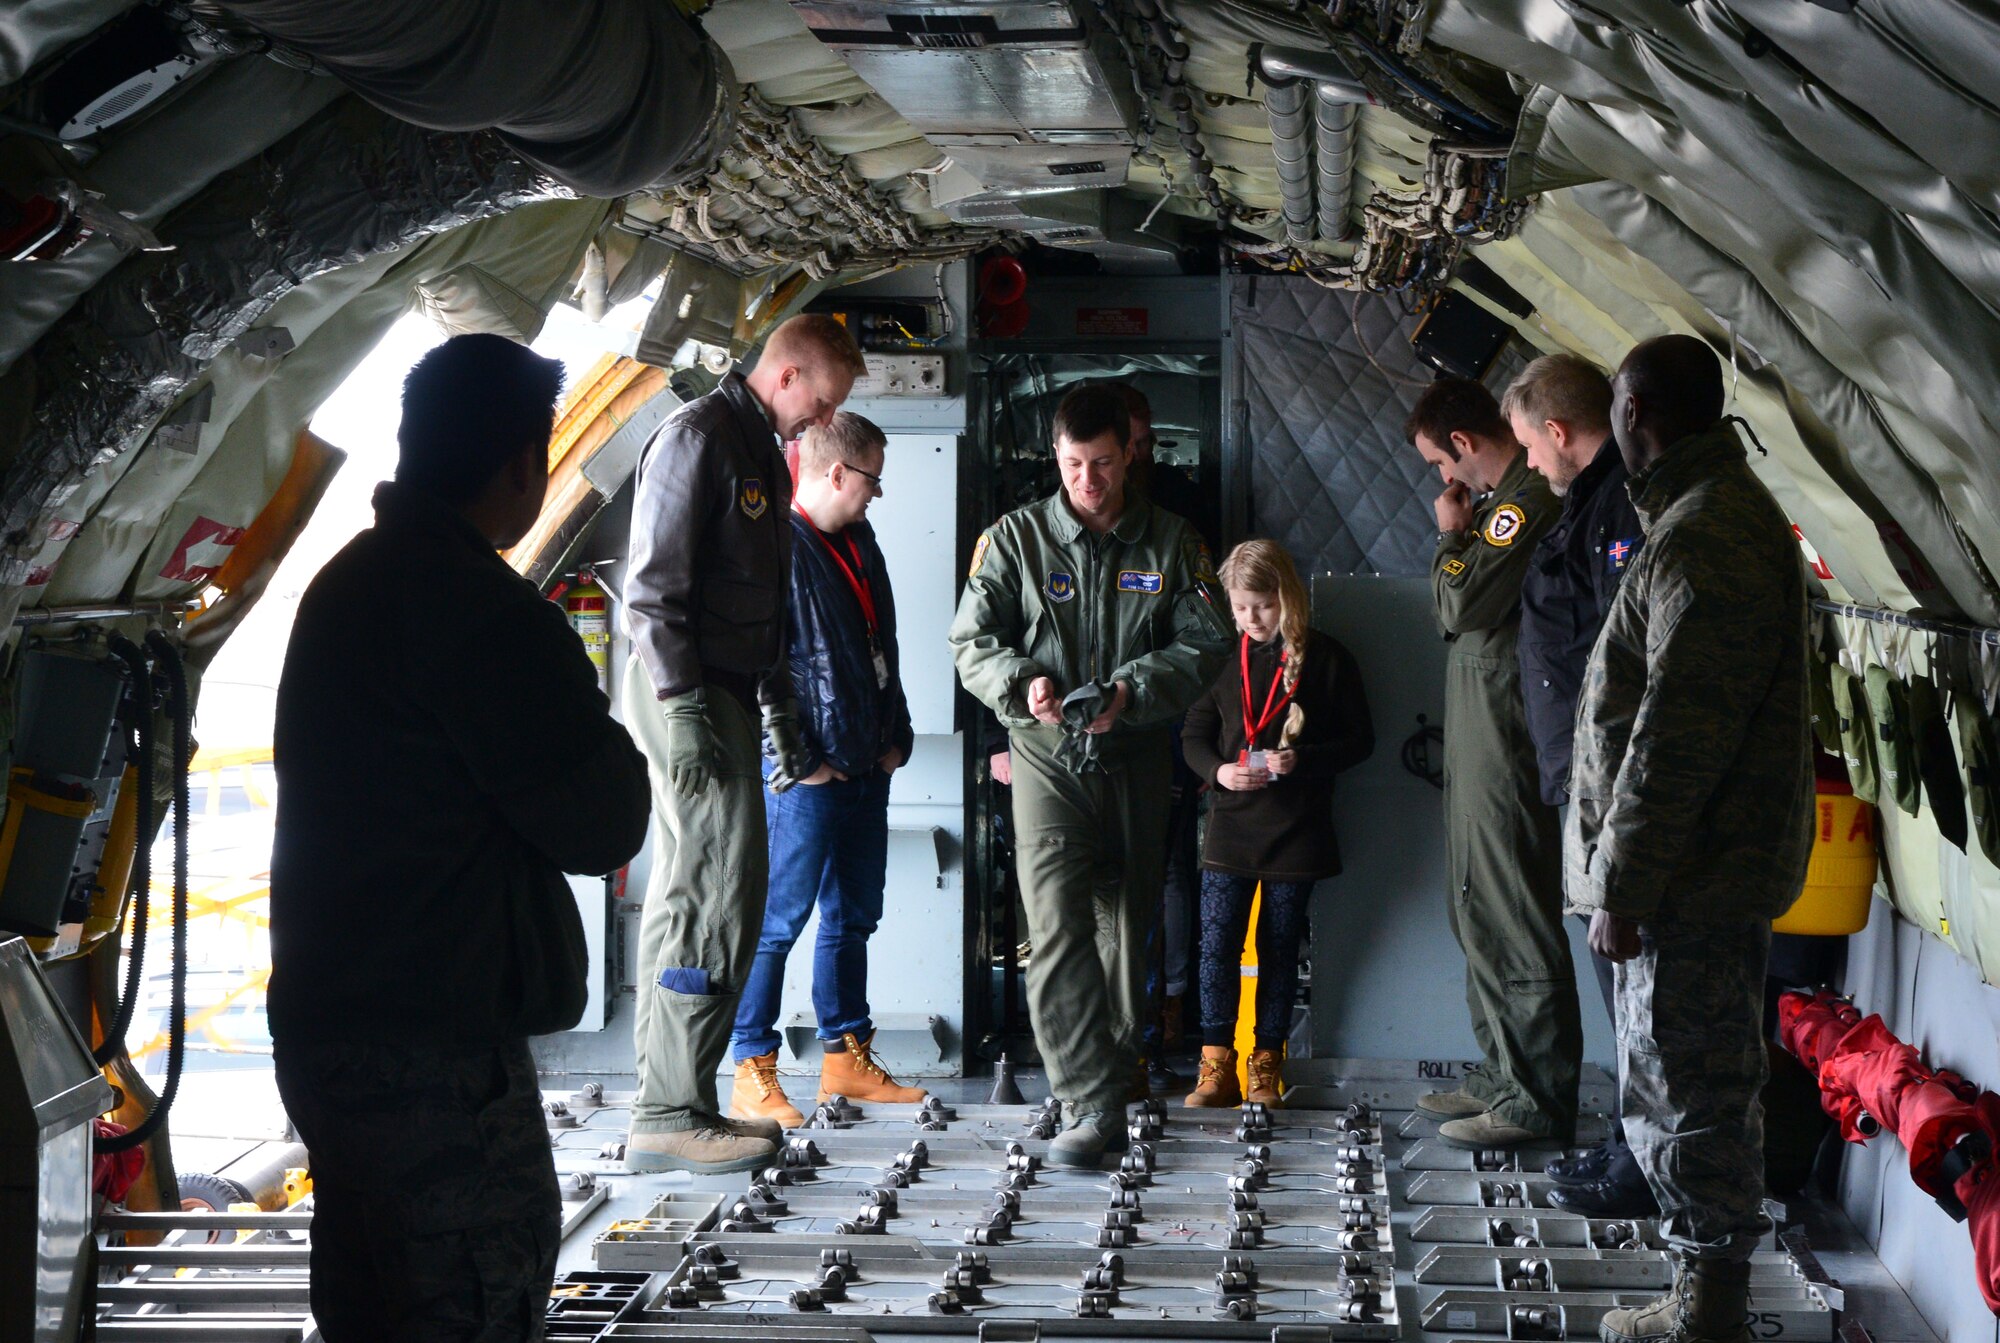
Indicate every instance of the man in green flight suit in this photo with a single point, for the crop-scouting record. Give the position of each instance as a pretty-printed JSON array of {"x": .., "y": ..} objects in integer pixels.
[
  {"x": 1504, "y": 845},
  {"x": 1087, "y": 626}
]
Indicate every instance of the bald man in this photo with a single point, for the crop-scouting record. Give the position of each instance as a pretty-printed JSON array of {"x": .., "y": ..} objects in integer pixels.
[
  {"x": 1691, "y": 820},
  {"x": 705, "y": 605}
]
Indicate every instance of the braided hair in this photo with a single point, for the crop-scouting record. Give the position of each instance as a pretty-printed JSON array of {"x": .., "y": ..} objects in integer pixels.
[{"x": 1263, "y": 566}]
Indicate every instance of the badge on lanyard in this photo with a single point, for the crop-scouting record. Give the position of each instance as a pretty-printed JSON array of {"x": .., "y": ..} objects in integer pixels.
[{"x": 855, "y": 570}]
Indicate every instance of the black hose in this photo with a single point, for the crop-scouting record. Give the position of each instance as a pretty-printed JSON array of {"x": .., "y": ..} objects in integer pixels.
[
  {"x": 178, "y": 711},
  {"x": 139, "y": 736}
]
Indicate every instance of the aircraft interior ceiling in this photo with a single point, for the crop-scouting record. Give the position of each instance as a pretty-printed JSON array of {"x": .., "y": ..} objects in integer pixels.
[{"x": 1810, "y": 187}]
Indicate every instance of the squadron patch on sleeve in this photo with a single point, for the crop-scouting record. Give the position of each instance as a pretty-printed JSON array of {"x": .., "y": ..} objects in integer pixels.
[
  {"x": 979, "y": 554},
  {"x": 1505, "y": 524}
]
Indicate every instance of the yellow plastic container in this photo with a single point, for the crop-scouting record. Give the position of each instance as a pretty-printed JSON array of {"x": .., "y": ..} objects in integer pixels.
[
  {"x": 1840, "y": 876},
  {"x": 1246, "y": 1008}
]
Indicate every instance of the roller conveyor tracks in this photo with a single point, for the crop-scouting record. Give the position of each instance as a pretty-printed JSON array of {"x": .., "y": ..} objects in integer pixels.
[{"x": 1308, "y": 1225}]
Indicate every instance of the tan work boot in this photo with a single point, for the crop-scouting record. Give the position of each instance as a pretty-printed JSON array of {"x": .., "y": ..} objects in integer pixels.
[
  {"x": 1708, "y": 1303},
  {"x": 1216, "y": 1088},
  {"x": 854, "y": 1073},
  {"x": 1450, "y": 1105},
  {"x": 758, "y": 1095},
  {"x": 1265, "y": 1067},
  {"x": 700, "y": 1151},
  {"x": 1483, "y": 1132}
]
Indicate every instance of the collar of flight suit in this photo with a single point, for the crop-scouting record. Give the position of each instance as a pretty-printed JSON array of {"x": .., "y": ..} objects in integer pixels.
[
  {"x": 1689, "y": 461},
  {"x": 1131, "y": 525},
  {"x": 400, "y": 505}
]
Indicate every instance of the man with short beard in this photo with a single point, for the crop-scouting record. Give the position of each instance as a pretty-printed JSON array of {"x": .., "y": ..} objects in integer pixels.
[{"x": 1560, "y": 410}]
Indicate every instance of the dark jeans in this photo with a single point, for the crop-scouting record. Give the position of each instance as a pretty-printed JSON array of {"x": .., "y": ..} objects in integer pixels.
[
  {"x": 436, "y": 1217},
  {"x": 830, "y": 850},
  {"x": 1225, "y": 920}
]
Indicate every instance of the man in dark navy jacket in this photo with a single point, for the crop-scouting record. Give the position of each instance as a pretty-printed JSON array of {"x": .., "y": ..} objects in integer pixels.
[
  {"x": 829, "y": 836},
  {"x": 1560, "y": 409},
  {"x": 444, "y": 755}
]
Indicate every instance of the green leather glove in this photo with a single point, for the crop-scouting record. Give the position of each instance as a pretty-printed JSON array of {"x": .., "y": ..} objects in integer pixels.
[
  {"x": 781, "y": 724},
  {"x": 690, "y": 742}
]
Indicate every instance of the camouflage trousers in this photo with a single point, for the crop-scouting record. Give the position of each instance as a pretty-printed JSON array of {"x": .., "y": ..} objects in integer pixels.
[
  {"x": 1691, "y": 1065},
  {"x": 435, "y": 1210}
]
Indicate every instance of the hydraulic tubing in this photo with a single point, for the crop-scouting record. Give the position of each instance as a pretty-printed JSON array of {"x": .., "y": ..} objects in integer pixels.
[
  {"x": 140, "y": 729},
  {"x": 180, "y": 712},
  {"x": 1285, "y": 106},
  {"x": 1336, "y": 120}
]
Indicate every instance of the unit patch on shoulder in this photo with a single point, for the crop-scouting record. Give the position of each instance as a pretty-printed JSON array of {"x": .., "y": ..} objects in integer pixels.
[
  {"x": 1138, "y": 580},
  {"x": 1060, "y": 587},
  {"x": 750, "y": 497},
  {"x": 1505, "y": 524},
  {"x": 979, "y": 554},
  {"x": 1453, "y": 568},
  {"x": 1619, "y": 553}
]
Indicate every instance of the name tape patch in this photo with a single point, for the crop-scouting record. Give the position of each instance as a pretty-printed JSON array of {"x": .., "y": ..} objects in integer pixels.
[{"x": 1138, "y": 580}]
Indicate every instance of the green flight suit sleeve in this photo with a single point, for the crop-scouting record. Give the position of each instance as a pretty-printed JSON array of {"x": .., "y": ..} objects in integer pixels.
[
  {"x": 1710, "y": 658},
  {"x": 1476, "y": 574},
  {"x": 1163, "y": 683},
  {"x": 988, "y": 631}
]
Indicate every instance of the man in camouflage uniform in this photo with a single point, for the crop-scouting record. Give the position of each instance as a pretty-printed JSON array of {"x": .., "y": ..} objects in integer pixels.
[
  {"x": 1691, "y": 821},
  {"x": 1503, "y": 840},
  {"x": 1087, "y": 627}
]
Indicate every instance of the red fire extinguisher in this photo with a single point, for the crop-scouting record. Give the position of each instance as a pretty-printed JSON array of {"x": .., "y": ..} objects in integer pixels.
[{"x": 589, "y": 609}]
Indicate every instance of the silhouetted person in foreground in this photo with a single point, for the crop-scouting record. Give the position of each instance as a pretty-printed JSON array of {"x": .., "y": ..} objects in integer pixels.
[{"x": 444, "y": 755}]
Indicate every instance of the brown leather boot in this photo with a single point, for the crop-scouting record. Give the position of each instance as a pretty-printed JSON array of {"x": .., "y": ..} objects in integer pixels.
[
  {"x": 1217, "y": 1087},
  {"x": 854, "y": 1073},
  {"x": 758, "y": 1095},
  {"x": 1265, "y": 1067}
]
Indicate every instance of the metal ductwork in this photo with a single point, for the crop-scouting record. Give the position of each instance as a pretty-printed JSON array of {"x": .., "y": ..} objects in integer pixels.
[
  {"x": 1336, "y": 123},
  {"x": 1302, "y": 84},
  {"x": 1285, "y": 106}
]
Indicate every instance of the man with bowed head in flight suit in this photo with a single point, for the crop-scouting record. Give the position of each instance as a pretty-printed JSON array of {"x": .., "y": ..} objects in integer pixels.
[
  {"x": 1504, "y": 848},
  {"x": 705, "y": 606},
  {"x": 1087, "y": 626}
]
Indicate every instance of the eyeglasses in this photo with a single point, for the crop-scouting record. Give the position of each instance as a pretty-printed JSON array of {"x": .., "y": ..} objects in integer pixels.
[{"x": 870, "y": 476}]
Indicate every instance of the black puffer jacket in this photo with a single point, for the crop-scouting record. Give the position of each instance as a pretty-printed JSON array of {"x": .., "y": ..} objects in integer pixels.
[{"x": 847, "y": 720}]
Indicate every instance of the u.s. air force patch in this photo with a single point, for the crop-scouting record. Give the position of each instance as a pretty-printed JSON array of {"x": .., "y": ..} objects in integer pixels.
[
  {"x": 1505, "y": 524},
  {"x": 750, "y": 497},
  {"x": 1061, "y": 586},
  {"x": 979, "y": 554}
]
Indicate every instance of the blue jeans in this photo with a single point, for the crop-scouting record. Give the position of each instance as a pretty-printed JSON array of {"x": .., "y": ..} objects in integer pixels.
[{"x": 830, "y": 848}]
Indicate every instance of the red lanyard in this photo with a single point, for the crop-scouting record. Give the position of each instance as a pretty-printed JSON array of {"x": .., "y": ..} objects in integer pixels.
[
  {"x": 1273, "y": 703},
  {"x": 856, "y": 573}
]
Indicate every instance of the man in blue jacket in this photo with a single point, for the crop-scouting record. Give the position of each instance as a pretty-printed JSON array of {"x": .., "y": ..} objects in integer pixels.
[{"x": 829, "y": 836}]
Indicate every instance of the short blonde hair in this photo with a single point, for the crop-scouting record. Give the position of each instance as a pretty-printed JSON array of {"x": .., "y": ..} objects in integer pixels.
[
  {"x": 1565, "y": 387},
  {"x": 813, "y": 339},
  {"x": 847, "y": 439}
]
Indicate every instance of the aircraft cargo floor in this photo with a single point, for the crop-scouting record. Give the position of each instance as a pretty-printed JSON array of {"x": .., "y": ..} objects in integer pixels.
[{"x": 1339, "y": 1217}]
